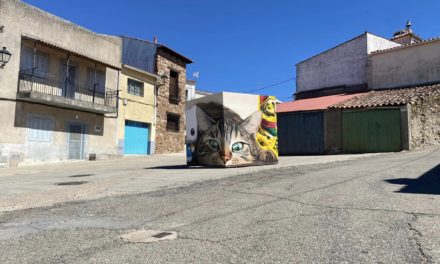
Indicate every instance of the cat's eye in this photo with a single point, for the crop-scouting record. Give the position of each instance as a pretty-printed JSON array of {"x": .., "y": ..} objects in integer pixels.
[
  {"x": 213, "y": 144},
  {"x": 237, "y": 146}
]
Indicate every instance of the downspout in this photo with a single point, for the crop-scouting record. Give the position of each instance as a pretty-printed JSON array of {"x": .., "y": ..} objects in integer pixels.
[{"x": 153, "y": 151}]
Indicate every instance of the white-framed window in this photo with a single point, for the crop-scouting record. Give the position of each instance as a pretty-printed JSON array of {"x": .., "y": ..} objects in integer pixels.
[{"x": 40, "y": 129}]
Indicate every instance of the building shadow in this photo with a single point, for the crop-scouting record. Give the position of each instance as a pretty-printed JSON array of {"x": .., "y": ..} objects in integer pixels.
[
  {"x": 428, "y": 183},
  {"x": 175, "y": 167}
]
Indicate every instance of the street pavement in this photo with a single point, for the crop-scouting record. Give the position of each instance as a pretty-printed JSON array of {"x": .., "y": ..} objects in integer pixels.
[
  {"x": 375, "y": 209},
  {"x": 36, "y": 186}
]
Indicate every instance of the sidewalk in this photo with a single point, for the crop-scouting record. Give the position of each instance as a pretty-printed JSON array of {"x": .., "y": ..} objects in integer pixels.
[{"x": 37, "y": 186}]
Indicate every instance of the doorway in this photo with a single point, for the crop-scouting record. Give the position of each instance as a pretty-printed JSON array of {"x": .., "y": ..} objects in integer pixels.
[{"x": 76, "y": 140}]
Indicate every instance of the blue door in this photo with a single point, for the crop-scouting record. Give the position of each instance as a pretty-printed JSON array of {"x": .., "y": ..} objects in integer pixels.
[{"x": 136, "y": 138}]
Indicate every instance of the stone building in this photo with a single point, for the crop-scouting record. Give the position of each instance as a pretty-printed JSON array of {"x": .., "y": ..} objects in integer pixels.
[
  {"x": 397, "y": 106},
  {"x": 58, "y": 93},
  {"x": 170, "y": 66}
]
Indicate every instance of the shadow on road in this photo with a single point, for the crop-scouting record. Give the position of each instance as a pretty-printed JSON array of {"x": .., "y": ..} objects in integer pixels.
[
  {"x": 428, "y": 183},
  {"x": 174, "y": 167}
]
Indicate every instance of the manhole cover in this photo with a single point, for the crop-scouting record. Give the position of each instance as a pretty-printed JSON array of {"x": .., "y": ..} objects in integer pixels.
[
  {"x": 148, "y": 236},
  {"x": 80, "y": 175},
  {"x": 71, "y": 183}
]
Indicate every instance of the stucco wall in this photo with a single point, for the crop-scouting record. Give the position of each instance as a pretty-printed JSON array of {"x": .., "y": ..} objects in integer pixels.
[
  {"x": 345, "y": 65},
  {"x": 20, "y": 19},
  {"x": 139, "y": 109},
  {"x": 424, "y": 122},
  {"x": 417, "y": 64},
  {"x": 342, "y": 65},
  {"x": 15, "y": 148}
]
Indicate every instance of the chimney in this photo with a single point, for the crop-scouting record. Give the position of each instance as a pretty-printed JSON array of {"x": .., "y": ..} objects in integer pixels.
[
  {"x": 155, "y": 40},
  {"x": 406, "y": 36}
]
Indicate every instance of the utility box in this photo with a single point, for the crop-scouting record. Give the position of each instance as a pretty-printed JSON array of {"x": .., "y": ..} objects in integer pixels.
[{"x": 231, "y": 130}]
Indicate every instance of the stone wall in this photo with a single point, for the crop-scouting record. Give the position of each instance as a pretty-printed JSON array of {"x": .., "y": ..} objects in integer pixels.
[
  {"x": 424, "y": 122},
  {"x": 170, "y": 141}
]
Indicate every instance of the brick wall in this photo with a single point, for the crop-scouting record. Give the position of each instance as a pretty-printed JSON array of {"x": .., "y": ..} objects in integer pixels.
[{"x": 170, "y": 141}]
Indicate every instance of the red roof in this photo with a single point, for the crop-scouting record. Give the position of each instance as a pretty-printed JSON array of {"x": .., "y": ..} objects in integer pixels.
[{"x": 318, "y": 103}]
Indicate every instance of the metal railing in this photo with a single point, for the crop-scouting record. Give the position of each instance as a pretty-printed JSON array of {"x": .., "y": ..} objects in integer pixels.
[{"x": 35, "y": 81}]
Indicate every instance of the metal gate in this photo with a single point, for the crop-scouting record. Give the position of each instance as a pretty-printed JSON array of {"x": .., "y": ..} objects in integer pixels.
[
  {"x": 301, "y": 133},
  {"x": 76, "y": 144},
  {"x": 371, "y": 131},
  {"x": 136, "y": 138}
]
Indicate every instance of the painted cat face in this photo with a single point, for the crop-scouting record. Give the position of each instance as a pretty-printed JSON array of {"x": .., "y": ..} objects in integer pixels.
[{"x": 227, "y": 142}]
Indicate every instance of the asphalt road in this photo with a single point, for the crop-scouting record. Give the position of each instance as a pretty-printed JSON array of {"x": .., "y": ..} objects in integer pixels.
[{"x": 382, "y": 209}]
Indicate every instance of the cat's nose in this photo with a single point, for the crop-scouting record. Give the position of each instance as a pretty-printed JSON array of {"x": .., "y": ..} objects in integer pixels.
[{"x": 226, "y": 158}]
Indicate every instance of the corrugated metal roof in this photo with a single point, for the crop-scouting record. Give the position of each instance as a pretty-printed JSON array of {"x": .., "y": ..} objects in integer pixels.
[
  {"x": 318, "y": 103},
  {"x": 389, "y": 97},
  {"x": 75, "y": 53}
]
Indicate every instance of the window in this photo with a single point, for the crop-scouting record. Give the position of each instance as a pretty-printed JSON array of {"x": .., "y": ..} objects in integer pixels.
[
  {"x": 135, "y": 87},
  {"x": 99, "y": 81},
  {"x": 173, "y": 122},
  {"x": 174, "y": 86},
  {"x": 41, "y": 68},
  {"x": 40, "y": 129}
]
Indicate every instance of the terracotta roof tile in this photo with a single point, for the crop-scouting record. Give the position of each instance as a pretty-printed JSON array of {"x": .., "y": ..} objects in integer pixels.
[
  {"x": 389, "y": 97},
  {"x": 310, "y": 104}
]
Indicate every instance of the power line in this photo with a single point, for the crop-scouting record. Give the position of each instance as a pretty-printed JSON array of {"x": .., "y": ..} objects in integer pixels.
[{"x": 272, "y": 85}]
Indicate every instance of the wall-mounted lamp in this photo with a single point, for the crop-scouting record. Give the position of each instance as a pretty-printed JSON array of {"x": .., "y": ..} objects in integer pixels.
[
  {"x": 163, "y": 78},
  {"x": 5, "y": 55}
]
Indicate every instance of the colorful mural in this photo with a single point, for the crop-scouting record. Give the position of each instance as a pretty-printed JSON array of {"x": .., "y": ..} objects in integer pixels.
[{"x": 231, "y": 129}]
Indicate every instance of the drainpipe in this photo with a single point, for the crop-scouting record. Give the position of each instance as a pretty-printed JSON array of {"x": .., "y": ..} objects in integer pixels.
[{"x": 155, "y": 114}]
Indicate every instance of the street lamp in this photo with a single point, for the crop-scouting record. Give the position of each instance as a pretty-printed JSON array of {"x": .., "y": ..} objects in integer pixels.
[{"x": 5, "y": 55}]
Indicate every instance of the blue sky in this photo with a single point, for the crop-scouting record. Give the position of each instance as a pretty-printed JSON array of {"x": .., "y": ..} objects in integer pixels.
[{"x": 246, "y": 45}]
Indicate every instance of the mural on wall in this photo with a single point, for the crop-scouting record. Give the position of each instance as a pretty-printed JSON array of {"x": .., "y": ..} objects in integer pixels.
[{"x": 231, "y": 129}]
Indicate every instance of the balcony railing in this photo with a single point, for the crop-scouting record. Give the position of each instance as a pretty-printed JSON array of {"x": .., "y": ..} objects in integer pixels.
[{"x": 34, "y": 81}]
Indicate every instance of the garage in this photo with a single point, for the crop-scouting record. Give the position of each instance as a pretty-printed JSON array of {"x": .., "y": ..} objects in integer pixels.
[
  {"x": 307, "y": 126},
  {"x": 136, "y": 138},
  {"x": 371, "y": 130},
  {"x": 300, "y": 133}
]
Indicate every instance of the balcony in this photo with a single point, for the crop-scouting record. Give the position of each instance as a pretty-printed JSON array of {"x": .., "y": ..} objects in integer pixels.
[{"x": 62, "y": 92}]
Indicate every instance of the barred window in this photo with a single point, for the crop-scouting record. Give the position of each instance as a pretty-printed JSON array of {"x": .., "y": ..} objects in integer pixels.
[{"x": 135, "y": 87}]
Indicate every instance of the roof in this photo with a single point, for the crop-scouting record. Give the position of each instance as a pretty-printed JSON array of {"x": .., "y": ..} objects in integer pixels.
[
  {"x": 149, "y": 74},
  {"x": 75, "y": 53},
  {"x": 389, "y": 97},
  {"x": 426, "y": 41},
  {"x": 318, "y": 103},
  {"x": 162, "y": 46}
]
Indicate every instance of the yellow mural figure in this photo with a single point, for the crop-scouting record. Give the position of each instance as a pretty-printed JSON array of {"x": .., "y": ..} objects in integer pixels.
[{"x": 267, "y": 136}]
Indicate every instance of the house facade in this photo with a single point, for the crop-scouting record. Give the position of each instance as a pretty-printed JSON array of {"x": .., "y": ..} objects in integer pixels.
[
  {"x": 59, "y": 91},
  {"x": 170, "y": 66},
  {"x": 397, "y": 105},
  {"x": 343, "y": 68},
  {"x": 136, "y": 113}
]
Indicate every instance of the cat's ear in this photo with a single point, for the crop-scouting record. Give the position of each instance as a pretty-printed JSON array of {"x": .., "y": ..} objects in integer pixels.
[
  {"x": 203, "y": 120},
  {"x": 252, "y": 123}
]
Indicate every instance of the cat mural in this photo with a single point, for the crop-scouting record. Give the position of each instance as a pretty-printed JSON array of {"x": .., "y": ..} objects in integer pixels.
[{"x": 230, "y": 130}]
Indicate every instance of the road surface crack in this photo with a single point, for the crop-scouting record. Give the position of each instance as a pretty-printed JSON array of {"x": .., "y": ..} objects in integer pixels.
[{"x": 417, "y": 235}]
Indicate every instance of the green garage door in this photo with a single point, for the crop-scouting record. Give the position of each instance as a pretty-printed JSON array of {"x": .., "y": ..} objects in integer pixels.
[{"x": 371, "y": 131}]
